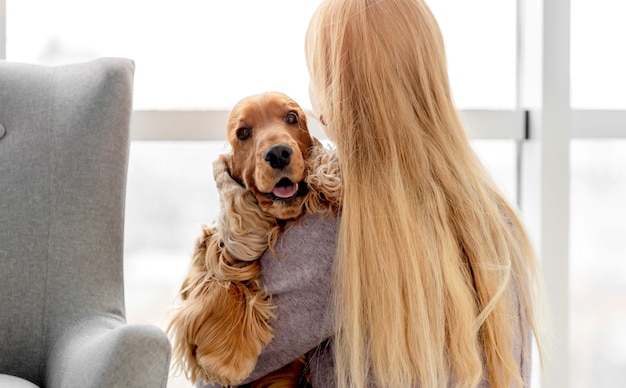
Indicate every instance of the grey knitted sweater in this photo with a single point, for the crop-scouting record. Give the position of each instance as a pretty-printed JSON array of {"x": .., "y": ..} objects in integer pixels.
[{"x": 299, "y": 281}]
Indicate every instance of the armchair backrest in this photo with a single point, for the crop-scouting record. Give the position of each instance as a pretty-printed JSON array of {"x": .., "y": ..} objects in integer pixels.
[{"x": 63, "y": 157}]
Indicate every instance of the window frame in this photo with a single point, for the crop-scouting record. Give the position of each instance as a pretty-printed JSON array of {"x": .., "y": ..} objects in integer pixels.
[{"x": 190, "y": 125}]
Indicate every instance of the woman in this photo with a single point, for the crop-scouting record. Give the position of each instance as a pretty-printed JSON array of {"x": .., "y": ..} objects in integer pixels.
[{"x": 433, "y": 275}]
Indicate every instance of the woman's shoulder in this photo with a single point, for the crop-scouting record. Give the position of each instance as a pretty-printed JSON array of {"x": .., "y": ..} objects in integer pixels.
[{"x": 306, "y": 249}]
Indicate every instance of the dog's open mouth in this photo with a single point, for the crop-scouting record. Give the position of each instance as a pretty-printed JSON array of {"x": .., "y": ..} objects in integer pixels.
[{"x": 285, "y": 190}]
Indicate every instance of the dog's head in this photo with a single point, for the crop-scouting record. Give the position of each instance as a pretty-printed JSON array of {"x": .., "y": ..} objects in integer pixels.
[{"x": 270, "y": 142}]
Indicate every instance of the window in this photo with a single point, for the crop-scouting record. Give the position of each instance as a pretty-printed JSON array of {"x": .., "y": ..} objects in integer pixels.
[
  {"x": 598, "y": 60},
  {"x": 170, "y": 194},
  {"x": 598, "y": 269},
  {"x": 500, "y": 158},
  {"x": 195, "y": 54},
  {"x": 480, "y": 38},
  {"x": 598, "y": 186},
  {"x": 190, "y": 54},
  {"x": 195, "y": 58}
]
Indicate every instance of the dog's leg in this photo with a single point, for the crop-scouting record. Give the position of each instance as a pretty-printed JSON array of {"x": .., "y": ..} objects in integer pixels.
[
  {"x": 229, "y": 332},
  {"x": 221, "y": 326}
]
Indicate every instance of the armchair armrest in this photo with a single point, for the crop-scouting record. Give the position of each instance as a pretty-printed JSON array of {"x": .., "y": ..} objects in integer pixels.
[{"x": 109, "y": 353}]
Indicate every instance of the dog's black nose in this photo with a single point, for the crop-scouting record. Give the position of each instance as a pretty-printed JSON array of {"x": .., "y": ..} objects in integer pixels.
[{"x": 278, "y": 156}]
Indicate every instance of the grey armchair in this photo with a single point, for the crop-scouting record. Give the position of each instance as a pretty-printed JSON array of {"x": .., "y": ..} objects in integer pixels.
[{"x": 64, "y": 142}]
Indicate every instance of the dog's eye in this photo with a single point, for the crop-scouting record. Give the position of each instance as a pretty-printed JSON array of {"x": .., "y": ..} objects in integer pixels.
[
  {"x": 291, "y": 118},
  {"x": 243, "y": 133}
]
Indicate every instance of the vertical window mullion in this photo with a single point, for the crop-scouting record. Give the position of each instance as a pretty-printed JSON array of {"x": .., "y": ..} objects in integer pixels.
[
  {"x": 519, "y": 68},
  {"x": 545, "y": 191}
]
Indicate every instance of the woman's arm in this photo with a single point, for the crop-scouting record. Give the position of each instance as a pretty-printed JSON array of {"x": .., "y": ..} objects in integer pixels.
[{"x": 299, "y": 281}]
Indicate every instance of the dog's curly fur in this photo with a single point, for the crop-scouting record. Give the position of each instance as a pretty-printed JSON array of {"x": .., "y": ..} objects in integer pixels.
[{"x": 224, "y": 318}]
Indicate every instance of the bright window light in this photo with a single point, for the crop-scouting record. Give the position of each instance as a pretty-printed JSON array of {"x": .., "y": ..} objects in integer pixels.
[
  {"x": 196, "y": 54},
  {"x": 598, "y": 56},
  {"x": 597, "y": 265}
]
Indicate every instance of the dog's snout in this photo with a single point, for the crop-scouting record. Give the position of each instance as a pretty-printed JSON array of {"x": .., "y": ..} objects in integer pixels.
[{"x": 278, "y": 156}]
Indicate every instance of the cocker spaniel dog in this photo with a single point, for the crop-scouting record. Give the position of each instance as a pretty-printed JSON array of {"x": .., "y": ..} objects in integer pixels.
[{"x": 275, "y": 173}]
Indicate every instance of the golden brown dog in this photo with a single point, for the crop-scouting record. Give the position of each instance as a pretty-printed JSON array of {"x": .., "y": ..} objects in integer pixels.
[{"x": 275, "y": 173}]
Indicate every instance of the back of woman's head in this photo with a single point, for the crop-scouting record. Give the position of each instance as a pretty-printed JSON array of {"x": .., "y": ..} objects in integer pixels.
[
  {"x": 427, "y": 245},
  {"x": 374, "y": 62}
]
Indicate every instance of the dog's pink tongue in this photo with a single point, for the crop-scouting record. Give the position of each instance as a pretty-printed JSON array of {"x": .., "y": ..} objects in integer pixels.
[{"x": 285, "y": 191}]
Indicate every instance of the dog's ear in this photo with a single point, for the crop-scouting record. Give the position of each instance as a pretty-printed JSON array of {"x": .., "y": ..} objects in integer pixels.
[
  {"x": 229, "y": 165},
  {"x": 222, "y": 170}
]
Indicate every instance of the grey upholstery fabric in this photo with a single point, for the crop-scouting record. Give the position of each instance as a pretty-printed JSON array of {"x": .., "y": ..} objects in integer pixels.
[
  {"x": 63, "y": 159},
  {"x": 15, "y": 382}
]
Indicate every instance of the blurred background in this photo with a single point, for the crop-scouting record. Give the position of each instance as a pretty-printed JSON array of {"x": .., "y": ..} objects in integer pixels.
[{"x": 195, "y": 59}]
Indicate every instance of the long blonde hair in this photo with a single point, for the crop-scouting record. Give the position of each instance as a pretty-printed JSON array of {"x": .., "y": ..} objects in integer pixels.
[{"x": 434, "y": 268}]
